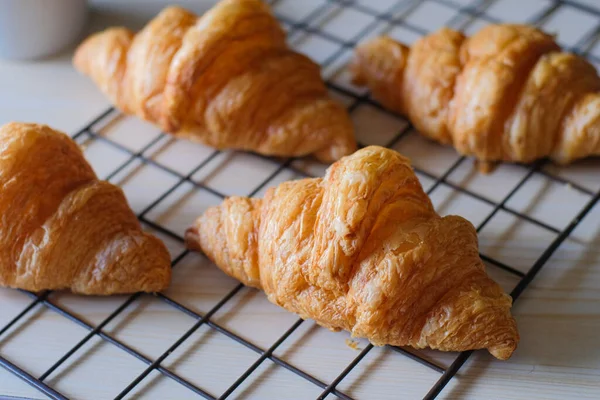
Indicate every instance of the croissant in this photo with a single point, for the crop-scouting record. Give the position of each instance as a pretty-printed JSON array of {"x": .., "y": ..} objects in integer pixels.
[
  {"x": 506, "y": 93},
  {"x": 226, "y": 79},
  {"x": 62, "y": 228},
  {"x": 363, "y": 250}
]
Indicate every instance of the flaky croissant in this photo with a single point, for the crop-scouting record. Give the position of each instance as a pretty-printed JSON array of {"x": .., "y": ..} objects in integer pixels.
[
  {"x": 505, "y": 94},
  {"x": 226, "y": 79},
  {"x": 62, "y": 228},
  {"x": 363, "y": 250}
]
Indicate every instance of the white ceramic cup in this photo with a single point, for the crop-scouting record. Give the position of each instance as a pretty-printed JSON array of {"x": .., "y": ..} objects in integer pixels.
[{"x": 31, "y": 29}]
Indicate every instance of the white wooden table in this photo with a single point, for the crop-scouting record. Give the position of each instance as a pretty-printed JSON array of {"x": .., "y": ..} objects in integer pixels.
[{"x": 558, "y": 315}]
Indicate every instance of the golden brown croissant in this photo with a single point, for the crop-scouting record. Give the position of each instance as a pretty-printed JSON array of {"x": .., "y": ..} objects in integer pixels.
[
  {"x": 363, "y": 250},
  {"x": 505, "y": 94},
  {"x": 226, "y": 79},
  {"x": 62, "y": 228}
]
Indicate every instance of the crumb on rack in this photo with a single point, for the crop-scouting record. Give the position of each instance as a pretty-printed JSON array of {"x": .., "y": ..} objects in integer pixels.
[{"x": 353, "y": 344}]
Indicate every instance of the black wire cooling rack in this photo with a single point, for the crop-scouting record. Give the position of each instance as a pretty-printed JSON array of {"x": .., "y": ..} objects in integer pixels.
[{"x": 395, "y": 15}]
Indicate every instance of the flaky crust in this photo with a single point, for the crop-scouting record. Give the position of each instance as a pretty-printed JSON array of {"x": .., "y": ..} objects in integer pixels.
[
  {"x": 363, "y": 250},
  {"x": 62, "y": 228},
  {"x": 505, "y": 94},
  {"x": 226, "y": 79}
]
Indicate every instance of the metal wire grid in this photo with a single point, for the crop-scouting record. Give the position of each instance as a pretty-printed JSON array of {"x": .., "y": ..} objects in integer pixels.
[{"x": 395, "y": 16}]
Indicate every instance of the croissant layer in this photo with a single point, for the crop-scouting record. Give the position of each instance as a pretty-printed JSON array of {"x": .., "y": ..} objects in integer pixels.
[
  {"x": 226, "y": 79},
  {"x": 506, "y": 93},
  {"x": 62, "y": 228},
  {"x": 363, "y": 250}
]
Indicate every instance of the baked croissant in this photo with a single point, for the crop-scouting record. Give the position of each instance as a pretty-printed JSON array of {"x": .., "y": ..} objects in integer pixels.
[
  {"x": 62, "y": 228},
  {"x": 362, "y": 249},
  {"x": 226, "y": 79},
  {"x": 505, "y": 94}
]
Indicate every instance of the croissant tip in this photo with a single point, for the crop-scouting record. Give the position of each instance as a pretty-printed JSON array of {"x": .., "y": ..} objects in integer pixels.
[
  {"x": 504, "y": 350},
  {"x": 357, "y": 77},
  {"x": 486, "y": 167},
  {"x": 192, "y": 238},
  {"x": 355, "y": 67},
  {"x": 81, "y": 57}
]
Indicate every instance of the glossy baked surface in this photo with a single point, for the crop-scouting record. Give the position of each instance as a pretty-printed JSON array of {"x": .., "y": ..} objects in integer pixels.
[
  {"x": 62, "y": 228},
  {"x": 226, "y": 79},
  {"x": 362, "y": 249},
  {"x": 562, "y": 302},
  {"x": 507, "y": 93}
]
